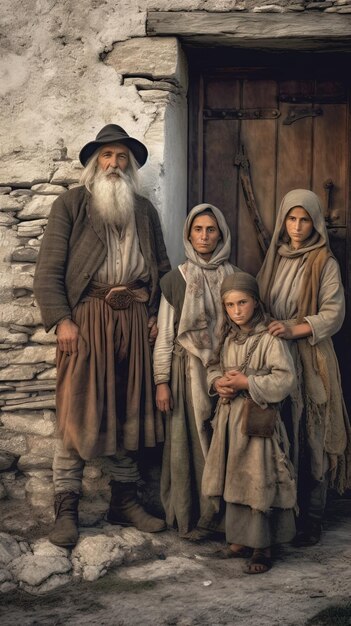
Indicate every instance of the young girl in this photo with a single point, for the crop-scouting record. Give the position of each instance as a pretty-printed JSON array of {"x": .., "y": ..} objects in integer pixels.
[
  {"x": 301, "y": 287},
  {"x": 251, "y": 473}
]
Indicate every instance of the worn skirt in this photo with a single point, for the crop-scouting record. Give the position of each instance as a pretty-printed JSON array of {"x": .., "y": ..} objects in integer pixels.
[
  {"x": 183, "y": 459},
  {"x": 256, "y": 529},
  {"x": 104, "y": 393}
]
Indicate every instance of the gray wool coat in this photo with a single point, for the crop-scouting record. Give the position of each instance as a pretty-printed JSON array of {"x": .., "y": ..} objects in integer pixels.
[{"x": 74, "y": 246}]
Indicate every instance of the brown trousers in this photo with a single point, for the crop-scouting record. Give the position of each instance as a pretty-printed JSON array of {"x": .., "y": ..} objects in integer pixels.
[{"x": 68, "y": 468}]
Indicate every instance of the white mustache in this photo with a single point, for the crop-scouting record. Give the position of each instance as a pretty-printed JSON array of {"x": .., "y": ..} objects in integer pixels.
[{"x": 116, "y": 170}]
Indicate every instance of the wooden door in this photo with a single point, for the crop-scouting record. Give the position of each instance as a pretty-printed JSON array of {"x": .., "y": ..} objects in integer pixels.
[{"x": 295, "y": 132}]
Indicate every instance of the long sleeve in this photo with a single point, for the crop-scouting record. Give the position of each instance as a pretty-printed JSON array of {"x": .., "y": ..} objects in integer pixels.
[
  {"x": 213, "y": 372},
  {"x": 164, "y": 343},
  {"x": 49, "y": 280},
  {"x": 152, "y": 248},
  {"x": 280, "y": 380},
  {"x": 331, "y": 305}
]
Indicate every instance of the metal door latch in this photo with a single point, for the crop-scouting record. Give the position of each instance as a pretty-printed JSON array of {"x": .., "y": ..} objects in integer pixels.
[{"x": 296, "y": 113}]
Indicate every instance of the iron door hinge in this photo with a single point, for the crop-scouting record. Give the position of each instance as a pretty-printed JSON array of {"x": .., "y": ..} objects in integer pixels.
[{"x": 241, "y": 114}]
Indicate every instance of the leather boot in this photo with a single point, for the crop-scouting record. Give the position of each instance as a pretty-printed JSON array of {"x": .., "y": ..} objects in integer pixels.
[
  {"x": 65, "y": 531},
  {"x": 126, "y": 510},
  {"x": 309, "y": 535}
]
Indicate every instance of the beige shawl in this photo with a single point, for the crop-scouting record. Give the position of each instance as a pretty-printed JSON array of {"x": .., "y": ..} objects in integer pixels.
[
  {"x": 280, "y": 245},
  {"x": 202, "y": 309}
]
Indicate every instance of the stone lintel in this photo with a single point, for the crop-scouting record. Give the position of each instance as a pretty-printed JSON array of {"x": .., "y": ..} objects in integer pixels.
[{"x": 301, "y": 31}]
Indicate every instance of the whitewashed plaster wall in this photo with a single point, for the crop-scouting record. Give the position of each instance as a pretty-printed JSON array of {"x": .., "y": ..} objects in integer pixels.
[{"x": 58, "y": 89}]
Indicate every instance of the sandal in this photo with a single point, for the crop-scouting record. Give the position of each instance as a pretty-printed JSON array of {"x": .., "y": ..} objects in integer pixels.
[
  {"x": 260, "y": 559},
  {"x": 228, "y": 553}
]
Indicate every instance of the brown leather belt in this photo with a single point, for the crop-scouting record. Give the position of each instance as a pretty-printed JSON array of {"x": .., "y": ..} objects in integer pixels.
[{"x": 118, "y": 296}]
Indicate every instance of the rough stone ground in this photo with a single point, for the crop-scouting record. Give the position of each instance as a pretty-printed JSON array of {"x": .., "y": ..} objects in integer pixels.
[{"x": 181, "y": 585}]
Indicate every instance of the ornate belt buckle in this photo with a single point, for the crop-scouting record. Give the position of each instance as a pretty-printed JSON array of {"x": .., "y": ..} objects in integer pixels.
[{"x": 119, "y": 297}]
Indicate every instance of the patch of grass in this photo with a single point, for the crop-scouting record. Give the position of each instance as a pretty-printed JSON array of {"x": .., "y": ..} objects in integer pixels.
[{"x": 332, "y": 616}]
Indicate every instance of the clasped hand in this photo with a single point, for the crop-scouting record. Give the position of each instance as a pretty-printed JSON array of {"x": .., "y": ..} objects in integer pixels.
[{"x": 230, "y": 384}]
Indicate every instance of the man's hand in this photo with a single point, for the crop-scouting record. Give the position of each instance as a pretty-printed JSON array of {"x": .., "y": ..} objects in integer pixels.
[
  {"x": 153, "y": 330},
  {"x": 67, "y": 336},
  {"x": 164, "y": 400}
]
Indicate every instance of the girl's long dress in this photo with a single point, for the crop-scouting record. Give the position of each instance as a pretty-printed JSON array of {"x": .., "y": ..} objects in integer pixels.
[{"x": 253, "y": 474}]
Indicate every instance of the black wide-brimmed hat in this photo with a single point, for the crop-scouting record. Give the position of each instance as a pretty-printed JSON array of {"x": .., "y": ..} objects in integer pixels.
[{"x": 110, "y": 134}]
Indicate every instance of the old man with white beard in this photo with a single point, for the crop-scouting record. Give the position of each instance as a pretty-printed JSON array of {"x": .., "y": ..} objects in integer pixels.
[{"x": 97, "y": 282}]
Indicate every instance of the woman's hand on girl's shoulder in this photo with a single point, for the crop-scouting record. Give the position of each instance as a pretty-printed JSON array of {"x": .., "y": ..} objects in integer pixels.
[
  {"x": 289, "y": 331},
  {"x": 280, "y": 329}
]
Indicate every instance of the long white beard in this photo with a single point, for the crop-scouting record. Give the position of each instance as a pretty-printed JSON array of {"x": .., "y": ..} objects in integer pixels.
[{"x": 113, "y": 198}]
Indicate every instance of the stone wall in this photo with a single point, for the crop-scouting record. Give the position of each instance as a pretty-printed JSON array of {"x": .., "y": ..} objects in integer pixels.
[
  {"x": 67, "y": 69},
  {"x": 27, "y": 359}
]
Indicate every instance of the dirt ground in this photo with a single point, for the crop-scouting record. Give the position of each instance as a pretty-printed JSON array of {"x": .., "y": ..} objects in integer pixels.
[{"x": 183, "y": 585}]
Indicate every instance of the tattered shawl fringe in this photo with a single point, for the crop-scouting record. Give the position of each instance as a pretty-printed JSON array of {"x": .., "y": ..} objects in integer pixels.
[{"x": 324, "y": 401}]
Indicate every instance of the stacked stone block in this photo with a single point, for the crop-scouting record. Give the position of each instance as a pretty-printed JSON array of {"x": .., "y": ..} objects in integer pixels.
[{"x": 27, "y": 361}]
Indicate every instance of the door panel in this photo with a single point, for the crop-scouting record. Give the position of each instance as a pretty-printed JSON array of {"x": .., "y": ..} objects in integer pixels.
[
  {"x": 312, "y": 151},
  {"x": 259, "y": 138},
  {"x": 329, "y": 160},
  {"x": 220, "y": 184}
]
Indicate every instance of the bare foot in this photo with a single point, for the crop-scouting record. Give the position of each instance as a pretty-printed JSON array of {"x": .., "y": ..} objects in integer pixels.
[
  {"x": 233, "y": 551},
  {"x": 237, "y": 548}
]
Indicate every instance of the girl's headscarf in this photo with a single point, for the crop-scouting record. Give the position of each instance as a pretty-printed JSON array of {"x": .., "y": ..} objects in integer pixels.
[
  {"x": 241, "y": 281},
  {"x": 279, "y": 245},
  {"x": 202, "y": 309}
]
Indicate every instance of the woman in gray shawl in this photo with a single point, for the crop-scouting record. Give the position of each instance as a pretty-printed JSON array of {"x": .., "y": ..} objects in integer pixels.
[
  {"x": 189, "y": 319},
  {"x": 301, "y": 287}
]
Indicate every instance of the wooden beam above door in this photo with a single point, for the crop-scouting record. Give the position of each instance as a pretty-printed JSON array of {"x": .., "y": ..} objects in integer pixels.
[{"x": 286, "y": 31}]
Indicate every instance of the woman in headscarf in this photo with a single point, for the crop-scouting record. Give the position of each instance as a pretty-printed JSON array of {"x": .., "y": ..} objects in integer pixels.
[
  {"x": 301, "y": 287},
  {"x": 189, "y": 320}
]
